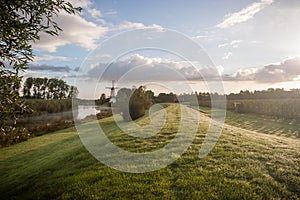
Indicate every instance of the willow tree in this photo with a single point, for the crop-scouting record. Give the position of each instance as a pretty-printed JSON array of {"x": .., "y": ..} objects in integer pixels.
[{"x": 21, "y": 22}]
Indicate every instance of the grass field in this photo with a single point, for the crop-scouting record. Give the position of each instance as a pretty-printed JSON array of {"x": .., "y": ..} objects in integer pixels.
[
  {"x": 262, "y": 124},
  {"x": 244, "y": 164}
]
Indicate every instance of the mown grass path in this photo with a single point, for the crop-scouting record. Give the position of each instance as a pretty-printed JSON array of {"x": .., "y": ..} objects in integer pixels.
[{"x": 243, "y": 164}]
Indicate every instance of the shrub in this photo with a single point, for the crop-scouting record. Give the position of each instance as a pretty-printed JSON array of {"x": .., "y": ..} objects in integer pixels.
[
  {"x": 104, "y": 115},
  {"x": 50, "y": 127},
  {"x": 11, "y": 136}
]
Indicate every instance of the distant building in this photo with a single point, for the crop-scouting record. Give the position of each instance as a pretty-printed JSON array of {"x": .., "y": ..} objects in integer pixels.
[{"x": 237, "y": 106}]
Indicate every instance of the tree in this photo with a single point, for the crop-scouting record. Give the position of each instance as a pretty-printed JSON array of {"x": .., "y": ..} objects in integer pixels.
[
  {"x": 44, "y": 88},
  {"x": 73, "y": 92},
  {"x": 21, "y": 23},
  {"x": 103, "y": 99},
  {"x": 133, "y": 103}
]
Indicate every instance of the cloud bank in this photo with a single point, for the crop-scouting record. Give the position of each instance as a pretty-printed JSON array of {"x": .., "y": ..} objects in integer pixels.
[
  {"x": 140, "y": 68},
  {"x": 50, "y": 68},
  {"x": 288, "y": 70}
]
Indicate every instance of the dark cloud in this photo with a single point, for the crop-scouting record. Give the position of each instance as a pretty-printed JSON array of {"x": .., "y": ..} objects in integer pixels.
[{"x": 52, "y": 68}]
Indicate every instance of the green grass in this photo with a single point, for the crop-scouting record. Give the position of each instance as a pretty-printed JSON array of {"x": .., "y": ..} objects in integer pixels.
[
  {"x": 262, "y": 124},
  {"x": 243, "y": 165}
]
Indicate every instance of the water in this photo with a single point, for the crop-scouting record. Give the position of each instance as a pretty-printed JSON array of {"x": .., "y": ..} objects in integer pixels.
[
  {"x": 84, "y": 111},
  {"x": 80, "y": 113}
]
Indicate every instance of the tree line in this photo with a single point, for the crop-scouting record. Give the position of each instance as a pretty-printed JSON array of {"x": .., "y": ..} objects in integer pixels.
[
  {"x": 44, "y": 88},
  {"x": 272, "y": 102}
]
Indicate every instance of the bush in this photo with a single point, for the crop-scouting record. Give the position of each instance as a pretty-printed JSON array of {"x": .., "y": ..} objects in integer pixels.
[
  {"x": 11, "y": 136},
  {"x": 39, "y": 106},
  {"x": 104, "y": 115},
  {"x": 51, "y": 127}
]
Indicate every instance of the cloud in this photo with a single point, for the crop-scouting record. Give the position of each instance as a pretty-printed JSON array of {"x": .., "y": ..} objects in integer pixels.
[
  {"x": 140, "y": 68},
  {"x": 234, "y": 44},
  {"x": 227, "y": 55},
  {"x": 76, "y": 30},
  {"x": 136, "y": 25},
  {"x": 288, "y": 70},
  {"x": 52, "y": 68},
  {"x": 86, "y": 5},
  {"x": 95, "y": 13},
  {"x": 243, "y": 15}
]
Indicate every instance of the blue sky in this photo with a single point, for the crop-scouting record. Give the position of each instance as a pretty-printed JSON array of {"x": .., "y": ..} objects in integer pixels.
[{"x": 254, "y": 44}]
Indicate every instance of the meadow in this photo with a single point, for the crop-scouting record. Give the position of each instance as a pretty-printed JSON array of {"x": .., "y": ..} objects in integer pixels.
[{"x": 258, "y": 163}]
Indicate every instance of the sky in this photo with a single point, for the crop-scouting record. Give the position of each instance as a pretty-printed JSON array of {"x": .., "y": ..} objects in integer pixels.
[{"x": 228, "y": 46}]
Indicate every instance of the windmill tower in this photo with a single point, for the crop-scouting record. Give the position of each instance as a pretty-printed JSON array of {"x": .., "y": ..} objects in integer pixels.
[{"x": 112, "y": 98}]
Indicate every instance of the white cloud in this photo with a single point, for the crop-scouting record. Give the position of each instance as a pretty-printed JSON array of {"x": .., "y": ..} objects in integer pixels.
[
  {"x": 86, "y": 5},
  {"x": 76, "y": 30},
  {"x": 227, "y": 55},
  {"x": 136, "y": 25},
  {"x": 81, "y": 3},
  {"x": 288, "y": 70},
  {"x": 220, "y": 69},
  {"x": 243, "y": 15},
  {"x": 234, "y": 44},
  {"x": 95, "y": 13}
]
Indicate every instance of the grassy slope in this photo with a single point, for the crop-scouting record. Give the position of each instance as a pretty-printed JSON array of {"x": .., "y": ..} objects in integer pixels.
[
  {"x": 262, "y": 124},
  {"x": 242, "y": 164}
]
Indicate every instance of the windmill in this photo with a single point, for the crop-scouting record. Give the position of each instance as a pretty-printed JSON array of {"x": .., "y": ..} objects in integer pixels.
[{"x": 112, "y": 98}]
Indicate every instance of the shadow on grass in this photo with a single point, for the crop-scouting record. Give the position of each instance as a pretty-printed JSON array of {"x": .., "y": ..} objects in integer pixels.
[{"x": 26, "y": 173}]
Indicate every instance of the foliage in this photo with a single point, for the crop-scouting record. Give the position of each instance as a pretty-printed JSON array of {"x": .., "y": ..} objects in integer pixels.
[
  {"x": 281, "y": 108},
  {"x": 21, "y": 25},
  {"x": 272, "y": 102},
  {"x": 40, "y": 106},
  {"x": 44, "y": 88},
  {"x": 13, "y": 136},
  {"x": 165, "y": 98},
  {"x": 56, "y": 125},
  {"x": 103, "y": 115},
  {"x": 102, "y": 100},
  {"x": 133, "y": 103},
  {"x": 11, "y": 106}
]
